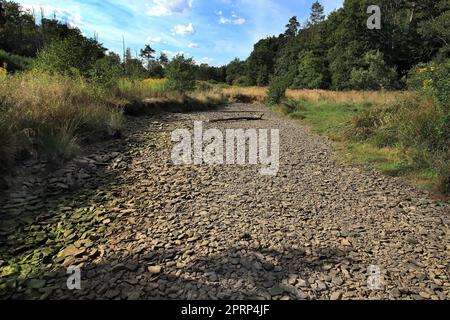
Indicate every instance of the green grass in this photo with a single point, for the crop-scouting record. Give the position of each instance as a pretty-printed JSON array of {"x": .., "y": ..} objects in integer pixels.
[{"x": 336, "y": 120}]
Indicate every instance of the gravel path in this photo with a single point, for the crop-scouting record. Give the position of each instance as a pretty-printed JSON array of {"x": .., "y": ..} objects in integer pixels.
[{"x": 142, "y": 228}]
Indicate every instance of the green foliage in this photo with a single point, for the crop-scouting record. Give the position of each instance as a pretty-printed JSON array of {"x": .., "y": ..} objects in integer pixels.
[
  {"x": 73, "y": 53},
  {"x": 349, "y": 55},
  {"x": 292, "y": 27},
  {"x": 317, "y": 14},
  {"x": 311, "y": 72},
  {"x": 416, "y": 125},
  {"x": 277, "y": 91},
  {"x": 433, "y": 79},
  {"x": 180, "y": 74},
  {"x": 374, "y": 75},
  {"x": 260, "y": 64},
  {"x": 15, "y": 62},
  {"x": 107, "y": 70},
  {"x": 148, "y": 55},
  {"x": 236, "y": 72}
]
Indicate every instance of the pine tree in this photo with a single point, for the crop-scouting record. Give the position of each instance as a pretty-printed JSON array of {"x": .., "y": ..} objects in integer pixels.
[
  {"x": 292, "y": 27},
  {"x": 147, "y": 54},
  {"x": 317, "y": 14}
]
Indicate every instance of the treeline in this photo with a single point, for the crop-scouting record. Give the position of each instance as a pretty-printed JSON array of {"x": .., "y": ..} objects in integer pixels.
[
  {"x": 340, "y": 52},
  {"x": 56, "y": 46}
]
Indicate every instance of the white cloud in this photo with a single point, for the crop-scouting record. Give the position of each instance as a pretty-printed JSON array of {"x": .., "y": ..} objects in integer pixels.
[
  {"x": 151, "y": 40},
  {"x": 168, "y": 7},
  {"x": 193, "y": 45},
  {"x": 234, "y": 19},
  {"x": 71, "y": 16},
  {"x": 184, "y": 30}
]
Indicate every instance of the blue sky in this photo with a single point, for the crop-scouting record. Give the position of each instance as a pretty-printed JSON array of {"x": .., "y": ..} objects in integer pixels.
[{"x": 211, "y": 31}]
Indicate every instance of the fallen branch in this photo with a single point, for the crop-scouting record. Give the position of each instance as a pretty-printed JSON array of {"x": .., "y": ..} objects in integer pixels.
[{"x": 237, "y": 118}]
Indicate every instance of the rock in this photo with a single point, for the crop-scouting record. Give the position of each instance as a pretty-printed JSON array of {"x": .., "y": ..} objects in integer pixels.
[
  {"x": 346, "y": 242},
  {"x": 111, "y": 294},
  {"x": 72, "y": 251},
  {"x": 424, "y": 295},
  {"x": 36, "y": 283},
  {"x": 302, "y": 283},
  {"x": 335, "y": 295},
  {"x": 395, "y": 293},
  {"x": 276, "y": 291},
  {"x": 155, "y": 269}
]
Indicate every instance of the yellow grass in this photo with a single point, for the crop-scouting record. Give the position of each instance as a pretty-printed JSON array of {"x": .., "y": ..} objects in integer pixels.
[
  {"x": 257, "y": 94},
  {"x": 353, "y": 97}
]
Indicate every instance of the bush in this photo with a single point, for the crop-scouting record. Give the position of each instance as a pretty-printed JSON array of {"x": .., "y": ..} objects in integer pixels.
[
  {"x": 180, "y": 74},
  {"x": 107, "y": 70},
  {"x": 374, "y": 75},
  {"x": 277, "y": 91},
  {"x": 433, "y": 79},
  {"x": 13, "y": 62},
  {"x": 70, "y": 55},
  {"x": 416, "y": 125}
]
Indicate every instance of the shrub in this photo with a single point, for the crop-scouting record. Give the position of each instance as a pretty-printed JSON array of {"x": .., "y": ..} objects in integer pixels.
[
  {"x": 180, "y": 74},
  {"x": 70, "y": 55},
  {"x": 433, "y": 79},
  {"x": 374, "y": 75},
  {"x": 277, "y": 91},
  {"x": 107, "y": 71},
  {"x": 13, "y": 62},
  {"x": 416, "y": 125}
]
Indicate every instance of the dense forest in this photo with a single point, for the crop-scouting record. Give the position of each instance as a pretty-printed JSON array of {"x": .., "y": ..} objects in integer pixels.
[{"x": 340, "y": 52}]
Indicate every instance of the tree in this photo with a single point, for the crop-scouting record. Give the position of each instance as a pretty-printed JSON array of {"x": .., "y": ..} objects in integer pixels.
[
  {"x": 107, "y": 70},
  {"x": 374, "y": 75},
  {"x": 236, "y": 72},
  {"x": 2, "y": 15},
  {"x": 292, "y": 27},
  {"x": 317, "y": 14},
  {"x": 261, "y": 62},
  {"x": 180, "y": 74},
  {"x": 311, "y": 72},
  {"x": 70, "y": 54},
  {"x": 163, "y": 59},
  {"x": 147, "y": 54}
]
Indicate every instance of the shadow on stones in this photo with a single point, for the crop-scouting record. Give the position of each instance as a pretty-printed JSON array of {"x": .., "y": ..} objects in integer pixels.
[{"x": 241, "y": 273}]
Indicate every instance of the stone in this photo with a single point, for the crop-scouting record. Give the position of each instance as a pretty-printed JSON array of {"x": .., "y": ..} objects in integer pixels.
[
  {"x": 335, "y": 295},
  {"x": 155, "y": 269}
]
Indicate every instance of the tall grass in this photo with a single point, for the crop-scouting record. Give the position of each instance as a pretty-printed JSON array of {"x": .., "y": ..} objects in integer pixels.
[
  {"x": 52, "y": 115},
  {"x": 259, "y": 94},
  {"x": 417, "y": 126}
]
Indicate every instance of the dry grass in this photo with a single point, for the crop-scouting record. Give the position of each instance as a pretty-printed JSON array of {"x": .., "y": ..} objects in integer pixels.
[
  {"x": 51, "y": 115},
  {"x": 246, "y": 94},
  {"x": 351, "y": 97},
  {"x": 258, "y": 94}
]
